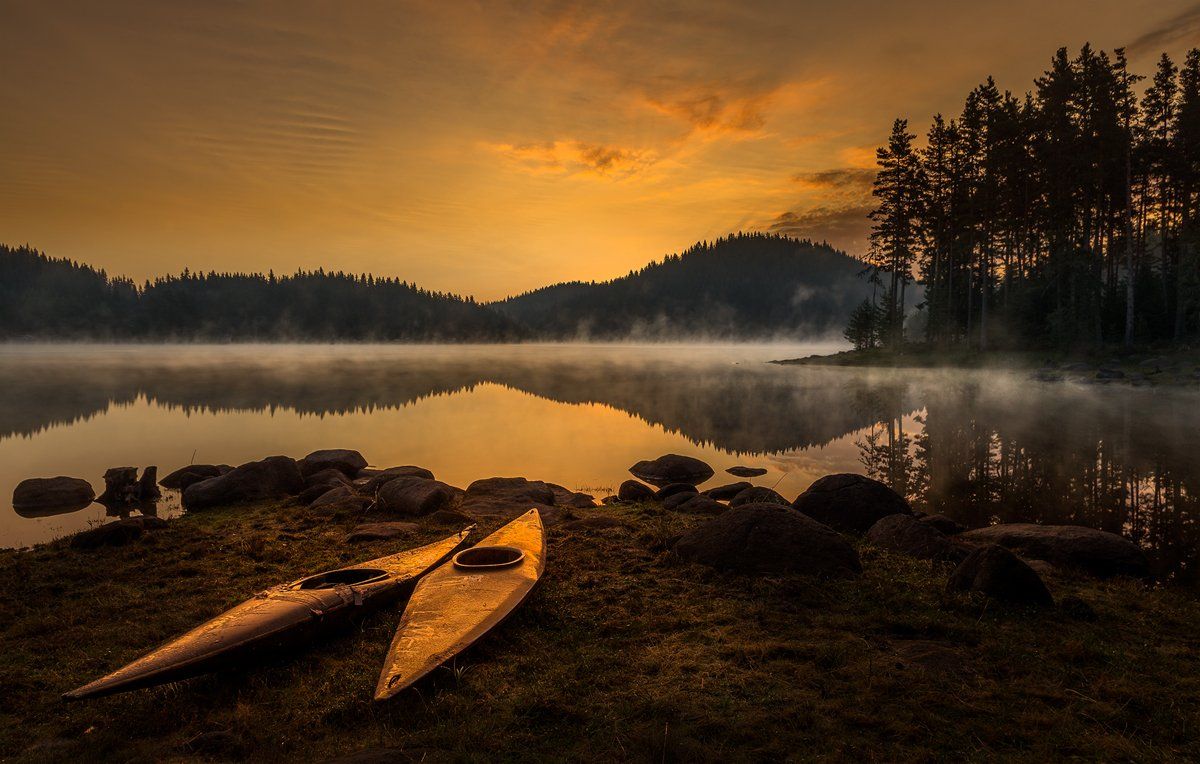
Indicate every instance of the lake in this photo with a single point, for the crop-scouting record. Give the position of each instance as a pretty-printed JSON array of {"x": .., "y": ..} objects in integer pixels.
[{"x": 980, "y": 446}]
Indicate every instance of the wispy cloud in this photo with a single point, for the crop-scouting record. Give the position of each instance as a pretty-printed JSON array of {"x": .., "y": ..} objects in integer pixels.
[
  {"x": 1183, "y": 27},
  {"x": 568, "y": 157}
]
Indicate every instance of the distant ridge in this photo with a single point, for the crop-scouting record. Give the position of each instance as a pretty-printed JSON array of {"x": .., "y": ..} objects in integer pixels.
[{"x": 746, "y": 285}]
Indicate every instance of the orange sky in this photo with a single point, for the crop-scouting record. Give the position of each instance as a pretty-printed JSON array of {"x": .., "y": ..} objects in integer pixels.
[{"x": 486, "y": 148}]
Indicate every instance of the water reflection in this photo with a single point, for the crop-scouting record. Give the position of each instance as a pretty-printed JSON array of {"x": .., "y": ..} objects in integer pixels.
[{"x": 973, "y": 445}]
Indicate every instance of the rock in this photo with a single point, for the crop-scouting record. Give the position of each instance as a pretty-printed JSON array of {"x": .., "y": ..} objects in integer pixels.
[
  {"x": 380, "y": 477},
  {"x": 148, "y": 485},
  {"x": 728, "y": 491},
  {"x": 332, "y": 496},
  {"x": 740, "y": 471},
  {"x": 1000, "y": 574},
  {"x": 1096, "y": 552},
  {"x": 594, "y": 523},
  {"x": 565, "y": 497},
  {"x": 632, "y": 490},
  {"x": 850, "y": 503},
  {"x": 613, "y": 499},
  {"x": 946, "y": 525},
  {"x": 270, "y": 478},
  {"x": 309, "y": 495},
  {"x": 675, "y": 499},
  {"x": 116, "y": 533},
  {"x": 120, "y": 486},
  {"x": 768, "y": 538},
  {"x": 450, "y": 517},
  {"x": 344, "y": 460},
  {"x": 326, "y": 477},
  {"x": 61, "y": 491},
  {"x": 696, "y": 504},
  {"x": 758, "y": 495},
  {"x": 509, "y": 497},
  {"x": 379, "y": 531},
  {"x": 414, "y": 496},
  {"x": 192, "y": 473},
  {"x": 916, "y": 538},
  {"x": 672, "y": 468},
  {"x": 674, "y": 488}
]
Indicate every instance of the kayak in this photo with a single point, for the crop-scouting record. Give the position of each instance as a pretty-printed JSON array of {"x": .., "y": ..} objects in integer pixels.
[
  {"x": 277, "y": 616},
  {"x": 456, "y": 604}
]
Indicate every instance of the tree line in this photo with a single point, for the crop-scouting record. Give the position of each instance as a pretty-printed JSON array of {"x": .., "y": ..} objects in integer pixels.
[
  {"x": 1067, "y": 217},
  {"x": 44, "y": 297}
]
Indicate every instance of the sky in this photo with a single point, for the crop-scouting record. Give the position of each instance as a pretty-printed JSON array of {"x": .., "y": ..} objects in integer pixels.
[{"x": 487, "y": 148}]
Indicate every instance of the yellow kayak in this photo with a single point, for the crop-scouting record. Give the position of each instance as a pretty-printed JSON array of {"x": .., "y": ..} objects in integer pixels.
[
  {"x": 278, "y": 616},
  {"x": 455, "y": 605}
]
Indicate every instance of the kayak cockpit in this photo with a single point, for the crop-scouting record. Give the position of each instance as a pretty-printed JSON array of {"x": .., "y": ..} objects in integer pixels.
[
  {"x": 344, "y": 577},
  {"x": 488, "y": 557}
]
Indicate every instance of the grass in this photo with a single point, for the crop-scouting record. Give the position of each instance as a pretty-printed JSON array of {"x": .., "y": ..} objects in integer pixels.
[{"x": 622, "y": 653}]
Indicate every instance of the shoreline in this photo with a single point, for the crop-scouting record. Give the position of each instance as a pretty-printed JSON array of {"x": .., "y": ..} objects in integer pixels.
[
  {"x": 1175, "y": 367},
  {"x": 626, "y": 648}
]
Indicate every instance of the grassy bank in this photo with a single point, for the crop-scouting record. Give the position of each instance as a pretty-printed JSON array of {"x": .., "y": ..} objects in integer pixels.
[
  {"x": 1172, "y": 365},
  {"x": 623, "y": 653}
]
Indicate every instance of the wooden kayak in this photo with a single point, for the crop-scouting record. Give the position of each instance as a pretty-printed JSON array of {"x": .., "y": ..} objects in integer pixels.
[
  {"x": 459, "y": 602},
  {"x": 277, "y": 616}
]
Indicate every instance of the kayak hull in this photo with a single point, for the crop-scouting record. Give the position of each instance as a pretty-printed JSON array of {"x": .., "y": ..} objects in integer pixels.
[
  {"x": 454, "y": 606},
  {"x": 277, "y": 617}
]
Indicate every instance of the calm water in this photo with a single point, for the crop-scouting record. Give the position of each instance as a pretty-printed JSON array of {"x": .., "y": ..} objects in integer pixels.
[{"x": 979, "y": 446}]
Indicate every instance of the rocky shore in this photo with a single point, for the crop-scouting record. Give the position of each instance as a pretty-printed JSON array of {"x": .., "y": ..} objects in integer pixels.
[{"x": 858, "y": 621}]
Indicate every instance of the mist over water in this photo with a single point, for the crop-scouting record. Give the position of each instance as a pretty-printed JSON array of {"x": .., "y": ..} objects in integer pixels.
[{"x": 979, "y": 446}]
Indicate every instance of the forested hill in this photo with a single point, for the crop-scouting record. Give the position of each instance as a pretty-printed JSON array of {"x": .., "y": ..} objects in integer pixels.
[
  {"x": 748, "y": 285},
  {"x": 47, "y": 298}
]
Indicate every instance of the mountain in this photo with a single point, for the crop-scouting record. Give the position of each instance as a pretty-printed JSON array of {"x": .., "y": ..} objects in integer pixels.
[
  {"x": 758, "y": 286},
  {"x": 748, "y": 285},
  {"x": 44, "y": 297}
]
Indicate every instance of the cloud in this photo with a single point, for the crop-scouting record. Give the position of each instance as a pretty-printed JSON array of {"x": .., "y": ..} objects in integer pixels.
[
  {"x": 571, "y": 157},
  {"x": 847, "y": 225},
  {"x": 851, "y": 178},
  {"x": 716, "y": 112},
  {"x": 1184, "y": 26}
]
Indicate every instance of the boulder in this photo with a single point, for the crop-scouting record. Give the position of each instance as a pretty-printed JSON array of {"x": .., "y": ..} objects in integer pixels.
[
  {"x": 1096, "y": 552},
  {"x": 672, "y": 489},
  {"x": 120, "y": 486},
  {"x": 594, "y": 523},
  {"x": 335, "y": 495},
  {"x": 378, "y": 478},
  {"x": 768, "y": 538},
  {"x": 850, "y": 503},
  {"x": 506, "y": 498},
  {"x": 1000, "y": 574},
  {"x": 727, "y": 491},
  {"x": 148, "y": 485},
  {"x": 672, "y": 468},
  {"x": 632, "y": 490},
  {"x": 344, "y": 460},
  {"x": 916, "y": 538},
  {"x": 327, "y": 477},
  {"x": 414, "y": 496},
  {"x": 758, "y": 494},
  {"x": 116, "y": 533},
  {"x": 192, "y": 473},
  {"x": 694, "y": 504},
  {"x": 565, "y": 497},
  {"x": 43, "y": 493},
  {"x": 380, "y": 531},
  {"x": 450, "y": 517},
  {"x": 741, "y": 471},
  {"x": 270, "y": 478},
  {"x": 946, "y": 525}
]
